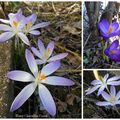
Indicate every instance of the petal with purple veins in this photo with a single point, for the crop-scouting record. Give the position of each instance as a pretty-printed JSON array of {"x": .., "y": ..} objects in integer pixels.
[
  {"x": 113, "y": 91},
  {"x": 113, "y": 78},
  {"x": 60, "y": 81},
  {"x": 58, "y": 57},
  {"x": 91, "y": 90},
  {"x": 104, "y": 103},
  {"x": 21, "y": 76},
  {"x": 23, "y": 96},
  {"x": 96, "y": 82},
  {"x": 47, "y": 100},
  {"x": 115, "y": 26},
  {"x": 106, "y": 77},
  {"x": 40, "y": 25},
  {"x": 32, "y": 18},
  {"x": 4, "y": 27},
  {"x": 114, "y": 83},
  {"x": 31, "y": 62},
  {"x": 100, "y": 90},
  {"x": 6, "y": 36},
  {"x": 118, "y": 95},
  {"x": 50, "y": 68},
  {"x": 34, "y": 32},
  {"x": 36, "y": 52},
  {"x": 41, "y": 46},
  {"x": 106, "y": 96},
  {"x": 50, "y": 48},
  {"x": 24, "y": 38}
]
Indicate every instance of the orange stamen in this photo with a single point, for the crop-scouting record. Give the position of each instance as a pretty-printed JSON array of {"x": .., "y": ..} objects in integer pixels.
[
  {"x": 110, "y": 29},
  {"x": 49, "y": 50},
  {"x": 41, "y": 76},
  {"x": 112, "y": 52},
  {"x": 15, "y": 24}
]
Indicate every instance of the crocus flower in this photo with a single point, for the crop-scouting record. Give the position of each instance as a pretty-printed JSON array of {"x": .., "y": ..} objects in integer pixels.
[
  {"x": 38, "y": 78},
  {"x": 102, "y": 84},
  {"x": 113, "y": 51},
  {"x": 31, "y": 28},
  {"x": 14, "y": 26},
  {"x": 45, "y": 54},
  {"x": 112, "y": 99},
  {"x": 108, "y": 30}
]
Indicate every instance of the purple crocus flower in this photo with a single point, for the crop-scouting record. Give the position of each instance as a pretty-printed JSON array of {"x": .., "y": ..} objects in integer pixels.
[
  {"x": 108, "y": 30},
  {"x": 113, "y": 51},
  {"x": 31, "y": 28},
  {"x": 14, "y": 26},
  {"x": 112, "y": 99},
  {"x": 38, "y": 79},
  {"x": 102, "y": 84},
  {"x": 45, "y": 55},
  {"x": 20, "y": 25}
]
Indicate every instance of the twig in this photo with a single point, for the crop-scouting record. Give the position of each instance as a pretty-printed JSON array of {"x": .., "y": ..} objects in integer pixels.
[{"x": 87, "y": 40}]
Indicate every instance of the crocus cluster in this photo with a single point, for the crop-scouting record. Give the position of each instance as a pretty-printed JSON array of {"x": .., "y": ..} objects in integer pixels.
[
  {"x": 111, "y": 32},
  {"x": 19, "y": 25},
  {"x": 111, "y": 98}
]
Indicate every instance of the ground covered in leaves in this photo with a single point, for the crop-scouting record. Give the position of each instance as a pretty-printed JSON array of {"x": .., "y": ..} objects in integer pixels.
[{"x": 65, "y": 30}]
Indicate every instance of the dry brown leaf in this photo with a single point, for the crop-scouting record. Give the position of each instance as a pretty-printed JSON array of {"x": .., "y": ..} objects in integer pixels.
[
  {"x": 70, "y": 99},
  {"x": 62, "y": 106}
]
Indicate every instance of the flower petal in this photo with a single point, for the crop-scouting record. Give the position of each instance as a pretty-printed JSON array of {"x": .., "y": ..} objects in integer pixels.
[
  {"x": 20, "y": 76},
  {"x": 114, "y": 83},
  {"x": 35, "y": 32},
  {"x": 36, "y": 52},
  {"x": 106, "y": 96},
  {"x": 24, "y": 38},
  {"x": 32, "y": 18},
  {"x": 50, "y": 48},
  {"x": 113, "y": 91},
  {"x": 96, "y": 82},
  {"x": 23, "y": 96},
  {"x": 106, "y": 77},
  {"x": 5, "y": 21},
  {"x": 39, "y": 62},
  {"x": 113, "y": 78},
  {"x": 47, "y": 100},
  {"x": 55, "y": 80},
  {"x": 31, "y": 62},
  {"x": 40, "y": 25},
  {"x": 118, "y": 95},
  {"x": 100, "y": 90},
  {"x": 115, "y": 26},
  {"x": 50, "y": 68},
  {"x": 41, "y": 46},
  {"x": 4, "y": 27},
  {"x": 58, "y": 57},
  {"x": 91, "y": 90},
  {"x": 104, "y": 26},
  {"x": 104, "y": 103},
  {"x": 6, "y": 36}
]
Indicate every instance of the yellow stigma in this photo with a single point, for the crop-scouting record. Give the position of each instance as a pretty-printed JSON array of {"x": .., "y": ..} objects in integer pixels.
[
  {"x": 112, "y": 52},
  {"x": 15, "y": 24},
  {"x": 49, "y": 50},
  {"x": 110, "y": 29},
  {"x": 41, "y": 76}
]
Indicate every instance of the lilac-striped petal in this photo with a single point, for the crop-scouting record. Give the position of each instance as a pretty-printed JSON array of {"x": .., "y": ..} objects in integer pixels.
[
  {"x": 50, "y": 48},
  {"x": 23, "y": 96},
  {"x": 58, "y": 57},
  {"x": 35, "y": 32},
  {"x": 92, "y": 89},
  {"x": 113, "y": 78},
  {"x": 21, "y": 76},
  {"x": 50, "y": 68},
  {"x": 100, "y": 90},
  {"x": 55, "y": 80},
  {"x": 5, "y": 21},
  {"x": 118, "y": 95},
  {"x": 106, "y": 77},
  {"x": 118, "y": 102},
  {"x": 41, "y": 46},
  {"x": 96, "y": 82},
  {"x": 106, "y": 96},
  {"x": 31, "y": 62},
  {"x": 32, "y": 18},
  {"x": 4, "y": 27},
  {"x": 114, "y": 83},
  {"x": 47, "y": 100},
  {"x": 36, "y": 52},
  {"x": 6, "y": 36},
  {"x": 40, "y": 25},
  {"x": 39, "y": 62},
  {"x": 24, "y": 38},
  {"x": 113, "y": 91},
  {"x": 115, "y": 26},
  {"x": 104, "y": 103}
]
